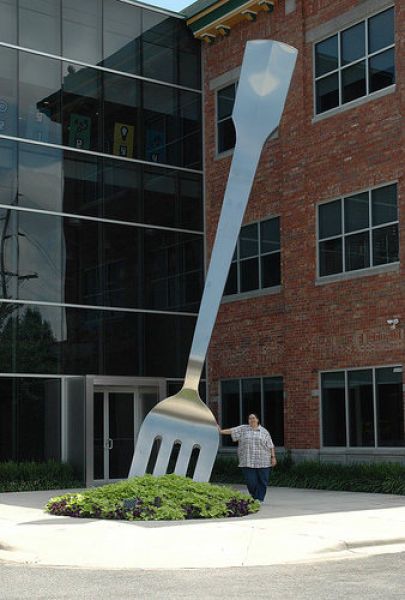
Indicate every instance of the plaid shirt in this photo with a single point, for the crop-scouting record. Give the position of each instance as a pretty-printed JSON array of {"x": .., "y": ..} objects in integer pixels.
[{"x": 254, "y": 446}]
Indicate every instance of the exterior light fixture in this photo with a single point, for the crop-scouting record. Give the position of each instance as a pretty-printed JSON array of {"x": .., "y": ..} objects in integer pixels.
[
  {"x": 223, "y": 29},
  {"x": 267, "y": 5},
  {"x": 250, "y": 15}
]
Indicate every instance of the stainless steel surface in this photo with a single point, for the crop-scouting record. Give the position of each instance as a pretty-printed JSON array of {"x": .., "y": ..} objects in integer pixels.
[{"x": 264, "y": 81}]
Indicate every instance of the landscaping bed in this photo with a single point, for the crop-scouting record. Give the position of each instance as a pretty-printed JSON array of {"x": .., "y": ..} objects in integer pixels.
[
  {"x": 149, "y": 498},
  {"x": 33, "y": 476}
]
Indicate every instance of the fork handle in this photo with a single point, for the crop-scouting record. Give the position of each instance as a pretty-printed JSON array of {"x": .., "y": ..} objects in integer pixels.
[{"x": 245, "y": 159}]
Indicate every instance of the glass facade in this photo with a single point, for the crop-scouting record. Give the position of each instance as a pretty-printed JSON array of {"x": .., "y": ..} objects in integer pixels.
[{"x": 101, "y": 212}]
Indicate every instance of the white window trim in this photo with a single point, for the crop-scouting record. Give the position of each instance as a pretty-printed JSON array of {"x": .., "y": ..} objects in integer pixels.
[
  {"x": 369, "y": 95},
  {"x": 347, "y": 447},
  {"x": 371, "y": 270}
]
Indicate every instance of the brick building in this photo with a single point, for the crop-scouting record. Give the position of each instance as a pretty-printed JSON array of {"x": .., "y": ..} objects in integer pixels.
[{"x": 311, "y": 332}]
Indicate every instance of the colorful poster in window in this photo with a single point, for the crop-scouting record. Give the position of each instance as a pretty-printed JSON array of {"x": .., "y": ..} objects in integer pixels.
[
  {"x": 123, "y": 140},
  {"x": 156, "y": 144},
  {"x": 79, "y": 131}
]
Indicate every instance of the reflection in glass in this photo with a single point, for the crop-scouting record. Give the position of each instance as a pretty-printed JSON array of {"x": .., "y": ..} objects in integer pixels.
[
  {"x": 8, "y": 172},
  {"x": 81, "y": 107},
  {"x": 122, "y": 191},
  {"x": 381, "y": 30},
  {"x": 161, "y": 134},
  {"x": 81, "y": 30},
  {"x": 39, "y": 25},
  {"x": 385, "y": 245},
  {"x": 230, "y": 408},
  {"x": 81, "y": 184},
  {"x": 357, "y": 251},
  {"x": 326, "y": 56},
  {"x": 352, "y": 43},
  {"x": 384, "y": 204},
  {"x": 8, "y": 21},
  {"x": 390, "y": 407},
  {"x": 330, "y": 257},
  {"x": 122, "y": 28},
  {"x": 39, "y": 98},
  {"x": 30, "y": 419},
  {"x": 333, "y": 409},
  {"x": 330, "y": 219},
  {"x": 121, "y": 115},
  {"x": 248, "y": 244},
  {"x": 8, "y": 91},
  {"x": 40, "y": 177},
  {"x": 356, "y": 210},
  {"x": 327, "y": 93},
  {"x": 361, "y": 409},
  {"x": 382, "y": 70},
  {"x": 354, "y": 82},
  {"x": 159, "y": 47}
]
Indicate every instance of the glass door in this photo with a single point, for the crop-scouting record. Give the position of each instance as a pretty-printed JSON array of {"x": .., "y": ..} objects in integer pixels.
[{"x": 118, "y": 415}]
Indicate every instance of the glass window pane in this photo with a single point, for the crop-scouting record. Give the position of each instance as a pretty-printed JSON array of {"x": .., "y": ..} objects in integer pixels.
[
  {"x": 327, "y": 93},
  {"x": 271, "y": 270},
  {"x": 384, "y": 204},
  {"x": 40, "y": 177},
  {"x": 330, "y": 257},
  {"x": 270, "y": 235},
  {"x": 354, "y": 82},
  {"x": 39, "y": 98},
  {"x": 189, "y": 68},
  {"x": 385, "y": 245},
  {"x": 333, "y": 409},
  {"x": 231, "y": 286},
  {"x": 81, "y": 30},
  {"x": 357, "y": 248},
  {"x": 226, "y": 135},
  {"x": 390, "y": 407},
  {"x": 189, "y": 129},
  {"x": 249, "y": 274},
  {"x": 330, "y": 219},
  {"x": 8, "y": 21},
  {"x": 230, "y": 408},
  {"x": 273, "y": 406},
  {"x": 8, "y": 172},
  {"x": 83, "y": 341},
  {"x": 159, "y": 45},
  {"x": 381, "y": 70},
  {"x": 225, "y": 101},
  {"x": 190, "y": 215},
  {"x": 326, "y": 56},
  {"x": 361, "y": 409},
  {"x": 81, "y": 185},
  {"x": 381, "y": 30},
  {"x": 8, "y": 91},
  {"x": 164, "y": 356},
  {"x": 356, "y": 212},
  {"x": 353, "y": 43},
  {"x": 38, "y": 337},
  {"x": 248, "y": 241},
  {"x": 121, "y": 115},
  {"x": 39, "y": 25},
  {"x": 161, "y": 139},
  {"x": 251, "y": 399},
  {"x": 121, "y": 36},
  {"x": 81, "y": 107}
]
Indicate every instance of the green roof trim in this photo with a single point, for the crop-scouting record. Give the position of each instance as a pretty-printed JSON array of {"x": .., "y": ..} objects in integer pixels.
[{"x": 219, "y": 12}]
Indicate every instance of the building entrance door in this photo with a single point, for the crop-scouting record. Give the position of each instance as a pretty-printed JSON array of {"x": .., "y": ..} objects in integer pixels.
[{"x": 118, "y": 414}]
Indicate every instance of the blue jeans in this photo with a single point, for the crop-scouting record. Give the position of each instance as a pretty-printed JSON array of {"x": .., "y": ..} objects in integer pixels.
[{"x": 257, "y": 481}]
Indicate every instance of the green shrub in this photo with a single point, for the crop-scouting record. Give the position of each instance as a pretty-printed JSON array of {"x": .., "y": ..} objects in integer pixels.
[
  {"x": 31, "y": 476},
  {"x": 169, "y": 497},
  {"x": 385, "y": 478}
]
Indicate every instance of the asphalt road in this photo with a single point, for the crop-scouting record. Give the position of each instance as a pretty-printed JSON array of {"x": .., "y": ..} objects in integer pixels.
[{"x": 379, "y": 577}]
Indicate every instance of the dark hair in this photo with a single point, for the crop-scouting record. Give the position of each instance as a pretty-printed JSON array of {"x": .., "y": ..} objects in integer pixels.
[{"x": 255, "y": 415}]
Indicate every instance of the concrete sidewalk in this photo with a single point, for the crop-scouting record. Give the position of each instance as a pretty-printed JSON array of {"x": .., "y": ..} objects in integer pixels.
[{"x": 292, "y": 526}]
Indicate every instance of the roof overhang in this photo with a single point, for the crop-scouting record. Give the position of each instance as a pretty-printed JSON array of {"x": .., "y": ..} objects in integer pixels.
[{"x": 218, "y": 18}]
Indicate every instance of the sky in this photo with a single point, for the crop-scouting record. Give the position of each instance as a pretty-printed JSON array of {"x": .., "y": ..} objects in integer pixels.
[{"x": 170, "y": 4}]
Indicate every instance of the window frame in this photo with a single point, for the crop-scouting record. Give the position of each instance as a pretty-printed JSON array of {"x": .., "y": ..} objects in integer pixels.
[
  {"x": 343, "y": 235},
  {"x": 340, "y": 68},
  {"x": 240, "y": 386},
  {"x": 259, "y": 290},
  {"x": 347, "y": 446},
  {"x": 229, "y": 151}
]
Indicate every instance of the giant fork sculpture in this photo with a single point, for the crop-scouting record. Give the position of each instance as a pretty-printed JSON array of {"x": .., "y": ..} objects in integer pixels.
[{"x": 264, "y": 81}]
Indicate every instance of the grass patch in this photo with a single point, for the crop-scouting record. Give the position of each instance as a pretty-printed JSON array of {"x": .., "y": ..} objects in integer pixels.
[
  {"x": 148, "y": 498},
  {"x": 383, "y": 478},
  {"x": 33, "y": 476}
]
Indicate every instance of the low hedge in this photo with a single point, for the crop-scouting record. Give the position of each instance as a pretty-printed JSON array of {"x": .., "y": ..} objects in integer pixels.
[
  {"x": 147, "y": 498},
  {"x": 32, "y": 476},
  {"x": 384, "y": 478}
]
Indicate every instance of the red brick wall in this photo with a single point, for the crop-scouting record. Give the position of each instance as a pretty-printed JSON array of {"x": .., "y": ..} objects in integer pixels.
[{"x": 307, "y": 328}]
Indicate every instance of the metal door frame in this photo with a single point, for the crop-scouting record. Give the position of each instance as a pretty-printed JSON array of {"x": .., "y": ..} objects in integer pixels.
[{"x": 112, "y": 384}]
